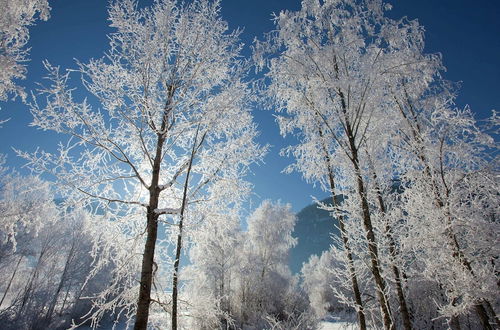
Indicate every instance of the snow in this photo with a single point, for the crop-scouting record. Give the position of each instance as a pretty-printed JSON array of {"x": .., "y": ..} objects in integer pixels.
[
  {"x": 168, "y": 211},
  {"x": 325, "y": 325}
]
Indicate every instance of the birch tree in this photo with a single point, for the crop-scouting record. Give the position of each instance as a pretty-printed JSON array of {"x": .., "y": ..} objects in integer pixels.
[{"x": 167, "y": 117}]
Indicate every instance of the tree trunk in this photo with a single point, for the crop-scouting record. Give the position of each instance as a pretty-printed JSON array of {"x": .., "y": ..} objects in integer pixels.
[
  {"x": 175, "y": 279},
  {"x": 457, "y": 252},
  {"x": 350, "y": 264},
  {"x": 50, "y": 311},
  {"x": 352, "y": 273},
  {"x": 141, "y": 320},
  {"x": 29, "y": 285},
  {"x": 142, "y": 315},
  {"x": 65, "y": 299},
  {"x": 11, "y": 279},
  {"x": 370, "y": 236},
  {"x": 345, "y": 240},
  {"x": 405, "y": 315}
]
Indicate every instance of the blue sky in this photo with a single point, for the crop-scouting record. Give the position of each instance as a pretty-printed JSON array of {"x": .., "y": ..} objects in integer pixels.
[{"x": 466, "y": 33}]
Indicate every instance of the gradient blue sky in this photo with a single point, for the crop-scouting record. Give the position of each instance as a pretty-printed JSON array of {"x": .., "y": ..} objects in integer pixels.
[{"x": 466, "y": 33}]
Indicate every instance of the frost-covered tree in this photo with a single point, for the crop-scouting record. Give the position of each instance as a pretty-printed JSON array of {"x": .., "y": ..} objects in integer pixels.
[
  {"x": 376, "y": 122},
  {"x": 318, "y": 280},
  {"x": 331, "y": 76},
  {"x": 213, "y": 272},
  {"x": 450, "y": 182},
  {"x": 167, "y": 121},
  {"x": 266, "y": 289},
  {"x": 45, "y": 258},
  {"x": 26, "y": 205},
  {"x": 15, "y": 18},
  {"x": 241, "y": 279}
]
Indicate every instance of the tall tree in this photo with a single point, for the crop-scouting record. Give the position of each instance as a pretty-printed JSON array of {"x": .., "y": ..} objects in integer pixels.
[
  {"x": 333, "y": 65},
  {"x": 173, "y": 110}
]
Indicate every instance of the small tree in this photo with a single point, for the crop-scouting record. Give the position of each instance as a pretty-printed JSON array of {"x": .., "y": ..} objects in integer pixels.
[
  {"x": 265, "y": 283},
  {"x": 213, "y": 272}
]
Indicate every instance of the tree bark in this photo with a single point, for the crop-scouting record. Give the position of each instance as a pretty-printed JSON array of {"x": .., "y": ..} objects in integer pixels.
[
  {"x": 373, "y": 251},
  {"x": 352, "y": 273},
  {"x": 141, "y": 320}
]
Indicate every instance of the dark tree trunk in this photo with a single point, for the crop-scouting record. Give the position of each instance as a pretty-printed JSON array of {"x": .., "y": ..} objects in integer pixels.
[
  {"x": 373, "y": 251},
  {"x": 29, "y": 286},
  {"x": 65, "y": 298},
  {"x": 175, "y": 279},
  {"x": 345, "y": 240},
  {"x": 141, "y": 320},
  {"x": 53, "y": 303},
  {"x": 370, "y": 235},
  {"x": 352, "y": 273}
]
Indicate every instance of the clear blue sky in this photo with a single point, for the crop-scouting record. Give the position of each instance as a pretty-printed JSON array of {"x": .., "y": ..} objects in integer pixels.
[{"x": 467, "y": 33}]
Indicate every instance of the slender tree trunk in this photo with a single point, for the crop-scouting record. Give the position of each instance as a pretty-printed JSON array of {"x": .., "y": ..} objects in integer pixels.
[
  {"x": 175, "y": 279},
  {"x": 141, "y": 320},
  {"x": 142, "y": 315},
  {"x": 370, "y": 235},
  {"x": 352, "y": 273},
  {"x": 10, "y": 281},
  {"x": 29, "y": 286},
  {"x": 178, "y": 250},
  {"x": 373, "y": 252},
  {"x": 65, "y": 299},
  {"x": 345, "y": 240},
  {"x": 405, "y": 315},
  {"x": 53, "y": 303},
  {"x": 77, "y": 299}
]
